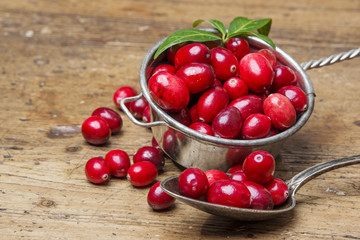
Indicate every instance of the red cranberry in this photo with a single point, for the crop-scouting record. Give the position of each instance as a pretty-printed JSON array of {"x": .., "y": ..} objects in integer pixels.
[
  {"x": 158, "y": 199},
  {"x": 227, "y": 123},
  {"x": 164, "y": 67},
  {"x": 171, "y": 52},
  {"x": 218, "y": 83},
  {"x": 256, "y": 126},
  {"x": 202, "y": 128},
  {"x": 170, "y": 142},
  {"x": 278, "y": 189},
  {"x": 296, "y": 96},
  {"x": 259, "y": 166},
  {"x": 211, "y": 102},
  {"x": 193, "y": 114},
  {"x": 195, "y": 52},
  {"x": 273, "y": 132},
  {"x": 119, "y": 162},
  {"x": 280, "y": 110},
  {"x": 257, "y": 72},
  {"x": 197, "y": 76},
  {"x": 183, "y": 116},
  {"x": 141, "y": 174},
  {"x": 95, "y": 130},
  {"x": 269, "y": 55},
  {"x": 154, "y": 143},
  {"x": 146, "y": 115},
  {"x": 229, "y": 193},
  {"x": 193, "y": 183},
  {"x": 239, "y": 46},
  {"x": 97, "y": 170},
  {"x": 214, "y": 175},
  {"x": 284, "y": 76},
  {"x": 239, "y": 176},
  {"x": 150, "y": 154},
  {"x": 224, "y": 62},
  {"x": 236, "y": 87},
  {"x": 248, "y": 105},
  {"x": 169, "y": 91},
  {"x": 123, "y": 92},
  {"x": 261, "y": 197},
  {"x": 235, "y": 168},
  {"x": 137, "y": 107},
  {"x": 112, "y": 118}
]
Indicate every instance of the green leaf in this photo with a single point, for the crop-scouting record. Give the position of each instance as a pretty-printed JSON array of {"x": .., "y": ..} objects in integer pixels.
[
  {"x": 216, "y": 23},
  {"x": 242, "y": 24},
  {"x": 184, "y": 35},
  {"x": 264, "y": 38}
]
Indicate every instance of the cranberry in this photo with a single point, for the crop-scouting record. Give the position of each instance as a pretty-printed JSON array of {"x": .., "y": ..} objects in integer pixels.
[
  {"x": 150, "y": 154},
  {"x": 211, "y": 102},
  {"x": 137, "y": 107},
  {"x": 273, "y": 132},
  {"x": 119, "y": 162},
  {"x": 193, "y": 114},
  {"x": 141, "y": 174},
  {"x": 224, "y": 62},
  {"x": 261, "y": 197},
  {"x": 169, "y": 91},
  {"x": 197, "y": 76},
  {"x": 239, "y": 46},
  {"x": 193, "y": 183},
  {"x": 256, "y": 126},
  {"x": 296, "y": 96},
  {"x": 171, "y": 52},
  {"x": 195, "y": 52},
  {"x": 97, "y": 170},
  {"x": 217, "y": 82},
  {"x": 236, "y": 87},
  {"x": 95, "y": 130},
  {"x": 164, "y": 67},
  {"x": 235, "y": 168},
  {"x": 239, "y": 176},
  {"x": 229, "y": 193},
  {"x": 154, "y": 143},
  {"x": 183, "y": 116},
  {"x": 259, "y": 166},
  {"x": 280, "y": 110},
  {"x": 227, "y": 123},
  {"x": 214, "y": 175},
  {"x": 284, "y": 76},
  {"x": 112, "y": 118},
  {"x": 202, "y": 128},
  {"x": 158, "y": 199},
  {"x": 269, "y": 55},
  {"x": 236, "y": 156},
  {"x": 123, "y": 92},
  {"x": 278, "y": 189},
  {"x": 146, "y": 115},
  {"x": 257, "y": 72},
  {"x": 248, "y": 105},
  {"x": 170, "y": 142}
]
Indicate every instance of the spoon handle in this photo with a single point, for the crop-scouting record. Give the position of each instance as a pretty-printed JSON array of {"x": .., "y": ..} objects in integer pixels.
[{"x": 306, "y": 175}]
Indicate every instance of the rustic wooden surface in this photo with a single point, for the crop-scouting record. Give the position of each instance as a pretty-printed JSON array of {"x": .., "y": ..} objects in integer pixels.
[{"x": 62, "y": 59}]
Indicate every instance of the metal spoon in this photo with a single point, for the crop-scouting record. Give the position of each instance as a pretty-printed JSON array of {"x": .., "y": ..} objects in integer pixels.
[{"x": 170, "y": 186}]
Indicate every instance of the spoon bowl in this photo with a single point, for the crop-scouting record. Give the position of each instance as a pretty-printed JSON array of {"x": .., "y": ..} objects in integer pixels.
[{"x": 170, "y": 186}]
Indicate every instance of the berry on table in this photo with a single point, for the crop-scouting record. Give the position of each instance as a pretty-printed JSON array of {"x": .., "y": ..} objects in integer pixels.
[
  {"x": 97, "y": 170},
  {"x": 141, "y": 174},
  {"x": 119, "y": 162},
  {"x": 158, "y": 199},
  {"x": 150, "y": 154},
  {"x": 95, "y": 130},
  {"x": 112, "y": 118}
]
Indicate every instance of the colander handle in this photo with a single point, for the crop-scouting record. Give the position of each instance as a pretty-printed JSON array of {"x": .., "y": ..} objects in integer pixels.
[
  {"x": 331, "y": 59},
  {"x": 132, "y": 118}
]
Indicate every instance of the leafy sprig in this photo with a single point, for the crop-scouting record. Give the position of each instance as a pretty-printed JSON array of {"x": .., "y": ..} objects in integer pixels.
[{"x": 239, "y": 26}]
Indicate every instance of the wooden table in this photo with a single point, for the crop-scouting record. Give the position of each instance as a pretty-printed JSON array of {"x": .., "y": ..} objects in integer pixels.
[{"x": 62, "y": 59}]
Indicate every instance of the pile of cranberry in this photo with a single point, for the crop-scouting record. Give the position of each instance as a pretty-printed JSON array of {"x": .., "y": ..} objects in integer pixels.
[
  {"x": 247, "y": 185},
  {"x": 232, "y": 92}
]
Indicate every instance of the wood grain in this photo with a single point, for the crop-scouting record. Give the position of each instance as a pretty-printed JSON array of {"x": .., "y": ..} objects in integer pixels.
[{"x": 62, "y": 59}]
